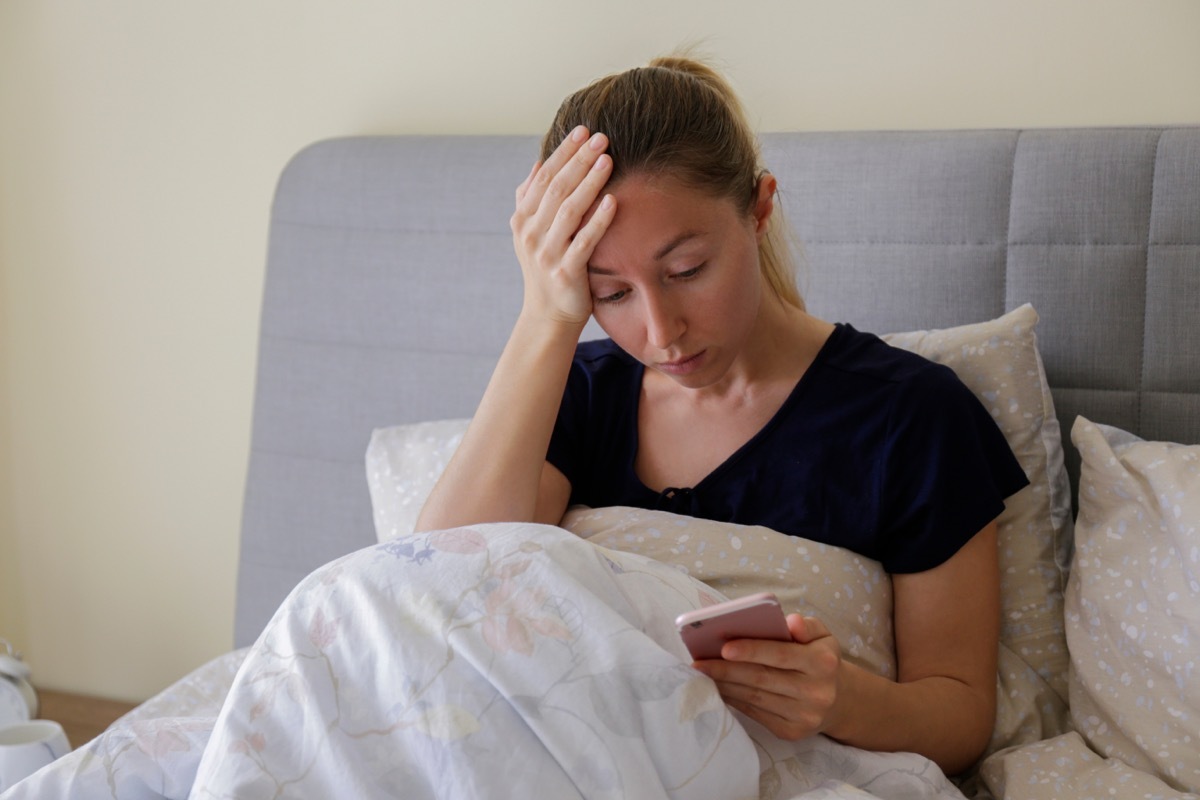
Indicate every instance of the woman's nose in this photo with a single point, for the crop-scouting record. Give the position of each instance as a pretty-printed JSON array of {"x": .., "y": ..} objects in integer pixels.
[{"x": 664, "y": 325}]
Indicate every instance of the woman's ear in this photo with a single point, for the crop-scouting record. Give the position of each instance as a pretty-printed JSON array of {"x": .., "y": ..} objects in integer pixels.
[{"x": 764, "y": 203}]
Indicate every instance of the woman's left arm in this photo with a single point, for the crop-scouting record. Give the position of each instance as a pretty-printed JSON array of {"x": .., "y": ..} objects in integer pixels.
[{"x": 943, "y": 702}]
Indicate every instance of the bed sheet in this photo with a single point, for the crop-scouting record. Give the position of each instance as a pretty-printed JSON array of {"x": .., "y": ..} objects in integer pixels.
[{"x": 496, "y": 661}]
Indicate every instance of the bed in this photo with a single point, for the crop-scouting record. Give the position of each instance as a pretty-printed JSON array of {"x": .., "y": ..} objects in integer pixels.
[{"x": 1058, "y": 271}]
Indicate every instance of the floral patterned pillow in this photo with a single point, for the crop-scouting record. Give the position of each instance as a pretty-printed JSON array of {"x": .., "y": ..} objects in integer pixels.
[{"x": 1133, "y": 603}]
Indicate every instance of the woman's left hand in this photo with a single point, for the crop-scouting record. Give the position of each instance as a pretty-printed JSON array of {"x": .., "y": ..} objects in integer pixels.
[{"x": 791, "y": 688}]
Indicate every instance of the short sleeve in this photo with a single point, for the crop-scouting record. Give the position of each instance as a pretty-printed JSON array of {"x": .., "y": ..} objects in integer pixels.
[
  {"x": 567, "y": 443},
  {"x": 595, "y": 433},
  {"x": 947, "y": 471}
]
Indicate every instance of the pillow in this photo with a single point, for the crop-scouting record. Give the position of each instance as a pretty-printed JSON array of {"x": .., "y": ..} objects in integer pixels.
[
  {"x": 1133, "y": 603},
  {"x": 850, "y": 593},
  {"x": 1000, "y": 363},
  {"x": 1064, "y": 767},
  {"x": 403, "y": 464}
]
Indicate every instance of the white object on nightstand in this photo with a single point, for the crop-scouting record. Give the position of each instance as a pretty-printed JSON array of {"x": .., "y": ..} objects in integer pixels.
[{"x": 18, "y": 700}]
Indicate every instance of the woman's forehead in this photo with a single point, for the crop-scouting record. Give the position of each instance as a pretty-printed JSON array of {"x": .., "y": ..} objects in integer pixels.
[{"x": 658, "y": 216}]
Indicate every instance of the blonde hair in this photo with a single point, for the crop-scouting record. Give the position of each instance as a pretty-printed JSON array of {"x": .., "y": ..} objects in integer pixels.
[{"x": 678, "y": 117}]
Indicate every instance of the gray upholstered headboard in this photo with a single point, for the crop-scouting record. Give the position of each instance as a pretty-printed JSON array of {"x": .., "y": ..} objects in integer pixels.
[{"x": 391, "y": 288}]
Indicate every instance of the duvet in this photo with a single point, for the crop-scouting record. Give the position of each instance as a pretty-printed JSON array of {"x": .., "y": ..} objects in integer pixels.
[{"x": 498, "y": 661}]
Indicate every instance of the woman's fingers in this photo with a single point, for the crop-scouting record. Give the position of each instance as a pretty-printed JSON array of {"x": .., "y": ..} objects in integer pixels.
[
  {"x": 573, "y": 189},
  {"x": 806, "y": 629},
  {"x": 791, "y": 704},
  {"x": 569, "y": 169},
  {"x": 572, "y": 212},
  {"x": 592, "y": 231},
  {"x": 559, "y": 218},
  {"x": 791, "y": 687},
  {"x": 547, "y": 172},
  {"x": 783, "y": 716},
  {"x": 554, "y": 198},
  {"x": 524, "y": 187}
]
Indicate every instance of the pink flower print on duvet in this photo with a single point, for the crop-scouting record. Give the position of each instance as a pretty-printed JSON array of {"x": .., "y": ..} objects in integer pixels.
[
  {"x": 160, "y": 743},
  {"x": 515, "y": 615},
  {"x": 250, "y": 743},
  {"x": 322, "y": 632}
]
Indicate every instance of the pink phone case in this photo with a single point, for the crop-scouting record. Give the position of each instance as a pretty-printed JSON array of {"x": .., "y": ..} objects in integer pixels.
[{"x": 756, "y": 616}]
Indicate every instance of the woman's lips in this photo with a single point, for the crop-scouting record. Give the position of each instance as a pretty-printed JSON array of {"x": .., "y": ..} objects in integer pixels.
[{"x": 683, "y": 366}]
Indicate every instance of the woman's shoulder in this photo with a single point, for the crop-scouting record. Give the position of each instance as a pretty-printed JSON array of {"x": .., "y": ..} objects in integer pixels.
[
  {"x": 911, "y": 390},
  {"x": 869, "y": 357},
  {"x": 864, "y": 380},
  {"x": 601, "y": 368},
  {"x": 602, "y": 354}
]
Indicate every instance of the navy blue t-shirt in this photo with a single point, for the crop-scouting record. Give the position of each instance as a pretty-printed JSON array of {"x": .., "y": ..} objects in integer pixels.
[{"x": 877, "y": 450}]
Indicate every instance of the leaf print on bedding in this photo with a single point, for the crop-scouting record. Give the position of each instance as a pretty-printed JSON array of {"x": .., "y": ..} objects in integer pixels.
[
  {"x": 516, "y": 614},
  {"x": 251, "y": 742},
  {"x": 463, "y": 541},
  {"x": 448, "y": 723},
  {"x": 160, "y": 743},
  {"x": 612, "y": 693},
  {"x": 699, "y": 696},
  {"x": 322, "y": 632},
  {"x": 511, "y": 570}
]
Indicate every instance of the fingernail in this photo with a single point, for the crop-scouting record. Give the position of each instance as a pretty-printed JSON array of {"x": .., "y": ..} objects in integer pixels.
[
  {"x": 607, "y": 202},
  {"x": 579, "y": 134},
  {"x": 597, "y": 142}
]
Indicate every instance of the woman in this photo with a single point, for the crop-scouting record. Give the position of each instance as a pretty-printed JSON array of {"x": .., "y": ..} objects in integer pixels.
[{"x": 719, "y": 396}]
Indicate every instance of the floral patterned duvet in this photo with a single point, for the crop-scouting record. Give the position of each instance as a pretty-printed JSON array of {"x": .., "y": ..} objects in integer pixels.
[{"x": 500, "y": 661}]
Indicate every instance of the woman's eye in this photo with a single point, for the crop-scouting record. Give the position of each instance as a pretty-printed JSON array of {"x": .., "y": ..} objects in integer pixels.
[
  {"x": 612, "y": 298},
  {"x": 688, "y": 273}
]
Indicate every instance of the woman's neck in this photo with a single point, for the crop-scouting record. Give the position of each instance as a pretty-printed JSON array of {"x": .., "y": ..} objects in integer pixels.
[{"x": 779, "y": 350}]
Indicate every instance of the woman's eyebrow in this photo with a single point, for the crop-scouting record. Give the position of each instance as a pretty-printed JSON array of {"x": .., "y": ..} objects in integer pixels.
[{"x": 671, "y": 245}]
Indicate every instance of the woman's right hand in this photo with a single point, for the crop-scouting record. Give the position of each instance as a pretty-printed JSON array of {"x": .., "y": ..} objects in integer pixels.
[
  {"x": 499, "y": 471},
  {"x": 552, "y": 233}
]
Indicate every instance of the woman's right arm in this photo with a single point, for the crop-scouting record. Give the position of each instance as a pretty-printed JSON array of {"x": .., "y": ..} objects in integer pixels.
[{"x": 499, "y": 472}]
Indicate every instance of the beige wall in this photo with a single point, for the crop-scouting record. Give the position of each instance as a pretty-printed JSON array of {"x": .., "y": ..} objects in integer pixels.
[{"x": 139, "y": 145}]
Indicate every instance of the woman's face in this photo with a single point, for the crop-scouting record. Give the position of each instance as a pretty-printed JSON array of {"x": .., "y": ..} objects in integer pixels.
[{"x": 675, "y": 280}]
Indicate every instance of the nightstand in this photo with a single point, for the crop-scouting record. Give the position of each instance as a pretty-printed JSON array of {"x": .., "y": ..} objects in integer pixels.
[{"x": 82, "y": 717}]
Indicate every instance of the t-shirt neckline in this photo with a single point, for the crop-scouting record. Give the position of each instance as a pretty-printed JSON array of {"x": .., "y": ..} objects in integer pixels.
[{"x": 750, "y": 444}]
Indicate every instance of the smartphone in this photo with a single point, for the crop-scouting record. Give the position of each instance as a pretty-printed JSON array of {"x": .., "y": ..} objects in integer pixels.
[{"x": 756, "y": 616}]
